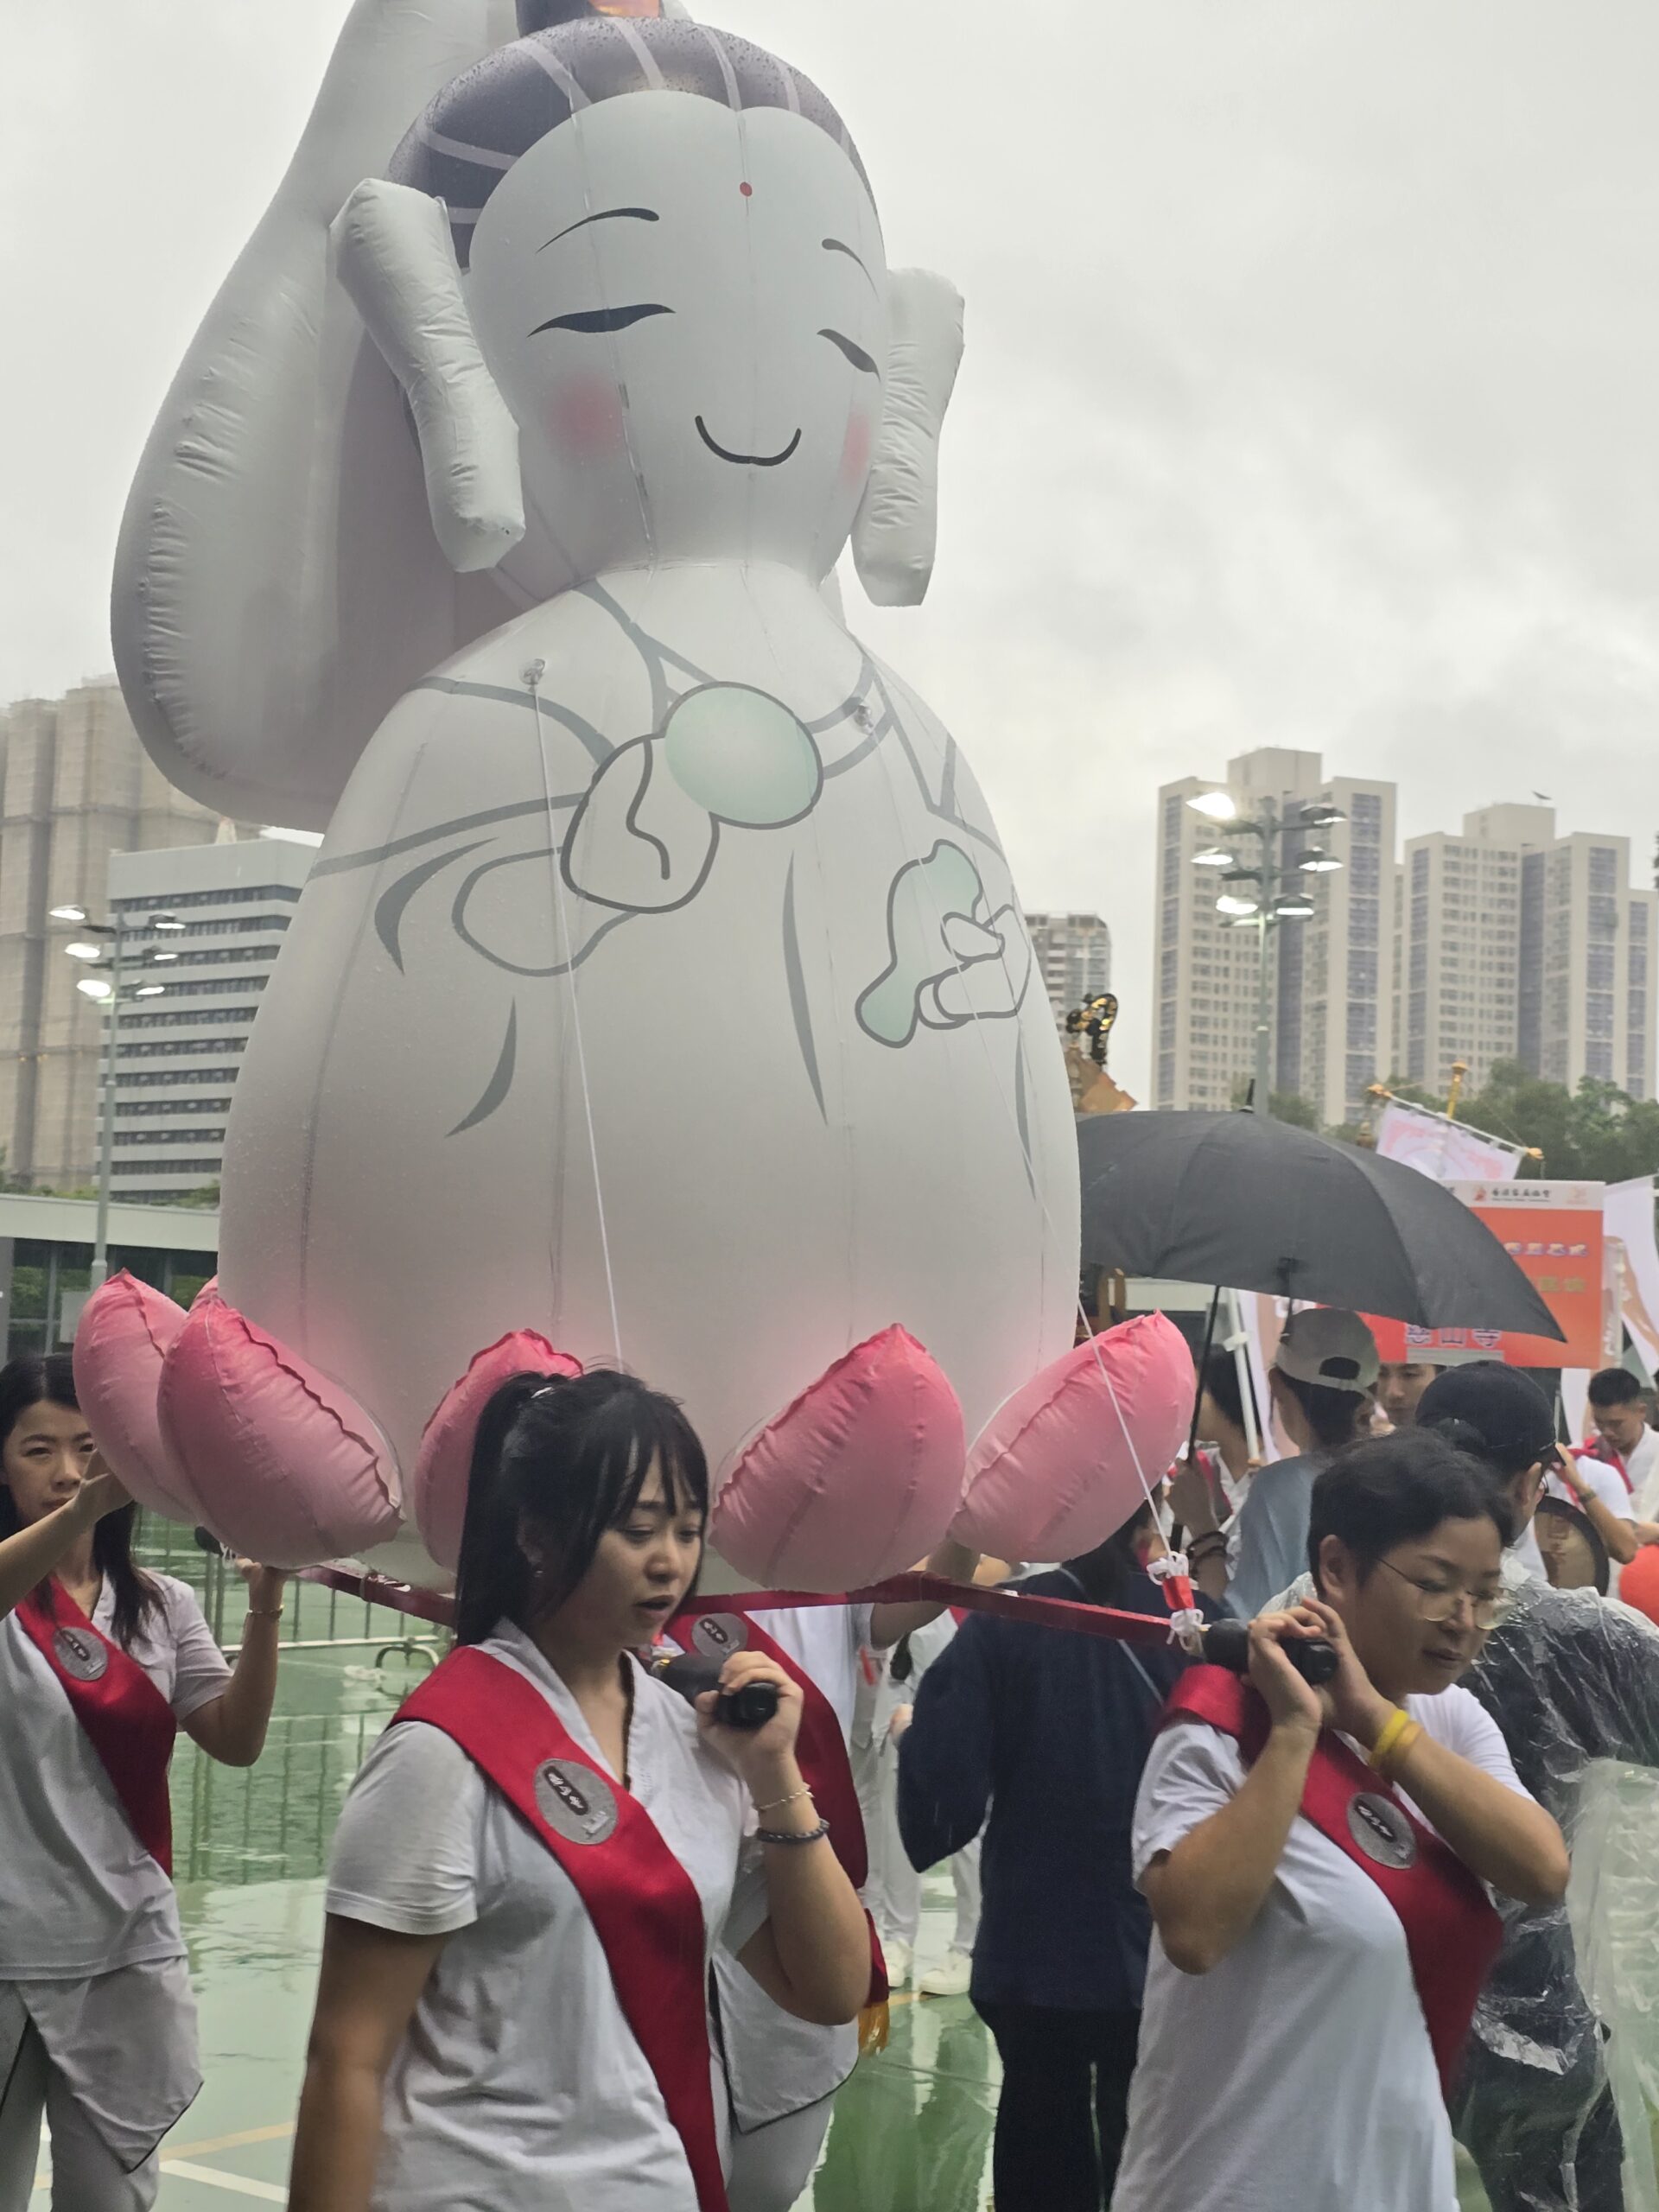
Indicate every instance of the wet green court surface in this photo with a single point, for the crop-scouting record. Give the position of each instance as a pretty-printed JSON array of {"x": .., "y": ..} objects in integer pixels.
[{"x": 912, "y": 2131}]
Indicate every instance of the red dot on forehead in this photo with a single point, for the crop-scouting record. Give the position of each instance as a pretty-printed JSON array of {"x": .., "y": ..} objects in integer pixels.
[{"x": 747, "y": 189}]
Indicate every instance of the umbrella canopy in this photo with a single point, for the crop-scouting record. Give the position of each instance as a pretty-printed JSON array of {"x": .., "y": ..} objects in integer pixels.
[{"x": 1254, "y": 1204}]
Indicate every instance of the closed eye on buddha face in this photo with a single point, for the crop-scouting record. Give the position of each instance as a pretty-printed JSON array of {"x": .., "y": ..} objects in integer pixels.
[
  {"x": 594, "y": 322},
  {"x": 855, "y": 353}
]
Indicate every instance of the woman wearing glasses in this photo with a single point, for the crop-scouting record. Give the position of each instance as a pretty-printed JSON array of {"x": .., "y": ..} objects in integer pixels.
[{"x": 1315, "y": 1862}]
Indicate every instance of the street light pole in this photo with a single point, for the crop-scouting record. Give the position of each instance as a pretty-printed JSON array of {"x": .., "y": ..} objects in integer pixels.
[
  {"x": 1255, "y": 895},
  {"x": 1261, "y": 1082},
  {"x": 109, "y": 995},
  {"x": 100, "y": 1268}
]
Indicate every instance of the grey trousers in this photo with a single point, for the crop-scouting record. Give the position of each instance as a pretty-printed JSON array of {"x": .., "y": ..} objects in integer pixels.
[
  {"x": 87, "y": 2177},
  {"x": 770, "y": 2170}
]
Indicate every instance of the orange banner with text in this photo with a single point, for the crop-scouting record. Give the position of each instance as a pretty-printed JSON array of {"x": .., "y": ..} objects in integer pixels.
[{"x": 1553, "y": 1233}]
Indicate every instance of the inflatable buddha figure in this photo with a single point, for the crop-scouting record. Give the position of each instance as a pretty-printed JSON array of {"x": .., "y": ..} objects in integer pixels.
[{"x": 660, "y": 993}]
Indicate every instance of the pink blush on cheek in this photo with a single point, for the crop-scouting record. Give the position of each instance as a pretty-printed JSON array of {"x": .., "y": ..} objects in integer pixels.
[
  {"x": 585, "y": 415},
  {"x": 855, "y": 453}
]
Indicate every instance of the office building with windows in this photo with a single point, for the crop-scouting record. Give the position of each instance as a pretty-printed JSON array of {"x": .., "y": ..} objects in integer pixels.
[
  {"x": 1519, "y": 944},
  {"x": 75, "y": 786},
  {"x": 1074, "y": 957},
  {"x": 190, "y": 997}
]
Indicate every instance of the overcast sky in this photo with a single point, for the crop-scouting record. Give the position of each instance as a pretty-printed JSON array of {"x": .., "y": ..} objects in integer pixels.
[{"x": 1310, "y": 394}]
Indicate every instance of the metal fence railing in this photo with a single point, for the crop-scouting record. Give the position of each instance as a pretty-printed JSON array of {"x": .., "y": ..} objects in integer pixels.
[{"x": 346, "y": 1666}]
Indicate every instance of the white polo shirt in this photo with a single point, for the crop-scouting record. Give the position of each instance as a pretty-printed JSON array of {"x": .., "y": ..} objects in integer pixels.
[
  {"x": 79, "y": 1894},
  {"x": 1298, "y": 2072},
  {"x": 519, "y": 2084},
  {"x": 776, "y": 2064}
]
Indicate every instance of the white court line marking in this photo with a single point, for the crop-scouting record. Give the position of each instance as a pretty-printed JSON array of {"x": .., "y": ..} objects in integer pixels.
[{"x": 234, "y": 2184}]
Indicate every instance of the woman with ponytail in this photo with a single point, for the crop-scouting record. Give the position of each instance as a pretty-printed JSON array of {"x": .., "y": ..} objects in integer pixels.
[
  {"x": 540, "y": 1857},
  {"x": 100, "y": 1664}
]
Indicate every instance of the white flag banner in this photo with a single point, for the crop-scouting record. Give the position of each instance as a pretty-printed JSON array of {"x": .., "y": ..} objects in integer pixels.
[
  {"x": 1443, "y": 1149},
  {"x": 1627, "y": 1216}
]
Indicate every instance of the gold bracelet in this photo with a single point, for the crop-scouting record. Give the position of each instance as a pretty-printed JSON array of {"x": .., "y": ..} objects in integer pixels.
[
  {"x": 264, "y": 1613},
  {"x": 1392, "y": 1730},
  {"x": 806, "y": 1791}
]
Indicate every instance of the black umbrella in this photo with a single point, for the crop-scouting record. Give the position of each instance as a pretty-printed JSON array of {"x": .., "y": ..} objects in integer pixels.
[{"x": 1254, "y": 1204}]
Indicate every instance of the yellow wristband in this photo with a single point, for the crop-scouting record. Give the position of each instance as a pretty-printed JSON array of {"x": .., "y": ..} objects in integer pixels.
[
  {"x": 1401, "y": 1748},
  {"x": 1393, "y": 1728}
]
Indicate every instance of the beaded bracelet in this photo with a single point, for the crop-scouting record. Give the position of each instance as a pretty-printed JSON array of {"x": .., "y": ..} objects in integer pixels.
[{"x": 785, "y": 1835}]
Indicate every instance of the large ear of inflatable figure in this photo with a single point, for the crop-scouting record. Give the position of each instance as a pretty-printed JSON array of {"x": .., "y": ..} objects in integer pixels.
[
  {"x": 661, "y": 992},
  {"x": 897, "y": 526},
  {"x": 396, "y": 261},
  {"x": 276, "y": 588}
]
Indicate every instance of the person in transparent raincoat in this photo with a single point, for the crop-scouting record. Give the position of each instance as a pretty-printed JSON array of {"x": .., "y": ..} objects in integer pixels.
[{"x": 1568, "y": 1677}]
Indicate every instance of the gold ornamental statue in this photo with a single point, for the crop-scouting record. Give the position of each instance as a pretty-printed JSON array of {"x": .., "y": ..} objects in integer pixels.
[{"x": 1087, "y": 1028}]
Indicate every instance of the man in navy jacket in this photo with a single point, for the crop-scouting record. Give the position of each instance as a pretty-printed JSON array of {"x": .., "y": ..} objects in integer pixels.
[{"x": 1048, "y": 1732}]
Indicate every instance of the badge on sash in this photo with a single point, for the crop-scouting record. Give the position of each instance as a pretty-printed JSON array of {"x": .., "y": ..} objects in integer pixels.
[
  {"x": 718, "y": 1635},
  {"x": 576, "y": 1802},
  {"x": 1382, "y": 1830},
  {"x": 83, "y": 1656}
]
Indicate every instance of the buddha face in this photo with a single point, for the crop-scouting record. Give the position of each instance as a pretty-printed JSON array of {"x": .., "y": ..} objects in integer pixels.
[{"x": 685, "y": 310}]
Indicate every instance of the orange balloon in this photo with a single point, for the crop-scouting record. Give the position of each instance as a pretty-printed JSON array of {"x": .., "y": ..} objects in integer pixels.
[{"x": 1638, "y": 1583}]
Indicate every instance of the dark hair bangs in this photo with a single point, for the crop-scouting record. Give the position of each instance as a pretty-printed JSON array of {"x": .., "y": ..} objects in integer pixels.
[
  {"x": 572, "y": 1455},
  {"x": 1396, "y": 1489},
  {"x": 48, "y": 1378}
]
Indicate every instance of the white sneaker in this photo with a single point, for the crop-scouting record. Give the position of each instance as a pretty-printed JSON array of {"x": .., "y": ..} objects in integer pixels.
[
  {"x": 897, "y": 1955},
  {"x": 951, "y": 1977}
]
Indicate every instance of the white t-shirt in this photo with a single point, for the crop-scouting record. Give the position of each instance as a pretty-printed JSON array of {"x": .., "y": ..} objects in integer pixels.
[
  {"x": 775, "y": 2064},
  {"x": 1642, "y": 1465},
  {"x": 1298, "y": 2072},
  {"x": 824, "y": 1642},
  {"x": 519, "y": 2086},
  {"x": 1608, "y": 1485},
  {"x": 79, "y": 1894}
]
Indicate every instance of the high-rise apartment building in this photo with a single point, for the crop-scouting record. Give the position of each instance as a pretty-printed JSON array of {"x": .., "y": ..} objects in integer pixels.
[
  {"x": 1586, "y": 987},
  {"x": 1074, "y": 957},
  {"x": 75, "y": 785},
  {"x": 1519, "y": 944},
  {"x": 1461, "y": 944},
  {"x": 186, "y": 1015},
  {"x": 1331, "y": 976}
]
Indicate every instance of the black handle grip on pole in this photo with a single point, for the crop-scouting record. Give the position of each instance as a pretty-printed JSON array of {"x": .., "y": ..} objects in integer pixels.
[
  {"x": 690, "y": 1675},
  {"x": 1227, "y": 1643}
]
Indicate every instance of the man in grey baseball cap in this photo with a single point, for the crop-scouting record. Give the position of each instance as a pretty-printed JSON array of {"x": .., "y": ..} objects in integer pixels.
[{"x": 1322, "y": 1378}]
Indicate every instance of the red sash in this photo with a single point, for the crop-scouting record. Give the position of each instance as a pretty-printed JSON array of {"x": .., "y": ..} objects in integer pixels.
[
  {"x": 1453, "y": 1932},
  {"x": 124, "y": 1717},
  {"x": 821, "y": 1749},
  {"x": 643, "y": 1904},
  {"x": 1608, "y": 1459}
]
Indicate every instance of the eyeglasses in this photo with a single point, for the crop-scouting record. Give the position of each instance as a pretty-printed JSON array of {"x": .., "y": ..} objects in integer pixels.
[{"x": 1436, "y": 1601}]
